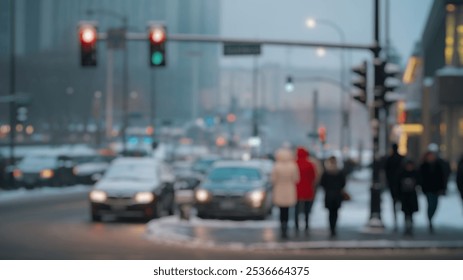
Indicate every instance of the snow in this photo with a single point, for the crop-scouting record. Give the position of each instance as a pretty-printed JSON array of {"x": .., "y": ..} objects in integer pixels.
[
  {"x": 70, "y": 150},
  {"x": 354, "y": 214},
  {"x": 24, "y": 194}
]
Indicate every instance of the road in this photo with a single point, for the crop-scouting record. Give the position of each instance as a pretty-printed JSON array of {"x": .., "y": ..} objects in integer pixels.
[{"x": 58, "y": 227}]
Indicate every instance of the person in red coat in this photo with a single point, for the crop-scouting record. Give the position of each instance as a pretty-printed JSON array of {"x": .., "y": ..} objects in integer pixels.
[{"x": 305, "y": 187}]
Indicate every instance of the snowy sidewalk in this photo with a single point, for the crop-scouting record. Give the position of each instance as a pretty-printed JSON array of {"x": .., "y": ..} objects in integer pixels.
[{"x": 352, "y": 232}]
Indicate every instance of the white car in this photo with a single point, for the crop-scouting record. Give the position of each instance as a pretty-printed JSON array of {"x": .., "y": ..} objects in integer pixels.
[{"x": 133, "y": 187}]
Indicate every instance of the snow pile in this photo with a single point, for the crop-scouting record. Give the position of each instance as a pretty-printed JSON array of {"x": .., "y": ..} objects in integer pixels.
[{"x": 22, "y": 194}]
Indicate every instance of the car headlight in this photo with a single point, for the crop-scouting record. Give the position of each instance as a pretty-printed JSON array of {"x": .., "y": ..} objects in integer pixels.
[
  {"x": 75, "y": 171},
  {"x": 46, "y": 174},
  {"x": 17, "y": 173},
  {"x": 202, "y": 195},
  {"x": 97, "y": 196},
  {"x": 256, "y": 197},
  {"x": 144, "y": 197}
]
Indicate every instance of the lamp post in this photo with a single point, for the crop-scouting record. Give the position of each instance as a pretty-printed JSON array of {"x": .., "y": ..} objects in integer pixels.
[
  {"x": 345, "y": 114},
  {"x": 125, "y": 87},
  {"x": 97, "y": 115},
  {"x": 290, "y": 88}
]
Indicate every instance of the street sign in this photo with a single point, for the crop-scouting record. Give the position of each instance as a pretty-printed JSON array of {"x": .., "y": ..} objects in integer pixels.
[
  {"x": 116, "y": 38},
  {"x": 241, "y": 49}
]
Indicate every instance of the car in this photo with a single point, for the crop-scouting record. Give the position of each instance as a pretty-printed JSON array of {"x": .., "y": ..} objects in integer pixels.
[
  {"x": 203, "y": 164},
  {"x": 89, "y": 170},
  {"x": 234, "y": 189},
  {"x": 133, "y": 188},
  {"x": 186, "y": 181},
  {"x": 43, "y": 170}
]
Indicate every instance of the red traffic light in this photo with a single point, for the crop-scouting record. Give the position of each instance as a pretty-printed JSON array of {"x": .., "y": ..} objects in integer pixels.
[
  {"x": 157, "y": 34},
  {"x": 231, "y": 118},
  {"x": 87, "y": 34},
  {"x": 322, "y": 134}
]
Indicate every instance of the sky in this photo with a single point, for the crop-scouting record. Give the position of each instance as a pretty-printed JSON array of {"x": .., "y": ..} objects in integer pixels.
[{"x": 285, "y": 19}]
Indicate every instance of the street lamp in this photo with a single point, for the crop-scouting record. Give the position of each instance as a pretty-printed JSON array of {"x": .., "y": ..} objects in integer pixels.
[
  {"x": 97, "y": 95},
  {"x": 125, "y": 101},
  {"x": 321, "y": 52},
  {"x": 312, "y": 23}
]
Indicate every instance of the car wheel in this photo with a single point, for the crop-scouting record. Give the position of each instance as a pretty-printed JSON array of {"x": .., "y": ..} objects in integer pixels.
[
  {"x": 171, "y": 210},
  {"x": 158, "y": 209},
  {"x": 201, "y": 215},
  {"x": 96, "y": 217}
]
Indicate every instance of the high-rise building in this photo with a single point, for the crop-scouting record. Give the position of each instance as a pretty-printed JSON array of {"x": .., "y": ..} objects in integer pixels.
[{"x": 48, "y": 58}]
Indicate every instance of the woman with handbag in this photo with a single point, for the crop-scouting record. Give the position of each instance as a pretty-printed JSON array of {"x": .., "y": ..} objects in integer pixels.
[{"x": 333, "y": 182}]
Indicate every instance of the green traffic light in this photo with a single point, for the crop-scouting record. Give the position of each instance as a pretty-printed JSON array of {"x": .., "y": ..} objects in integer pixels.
[{"x": 157, "y": 58}]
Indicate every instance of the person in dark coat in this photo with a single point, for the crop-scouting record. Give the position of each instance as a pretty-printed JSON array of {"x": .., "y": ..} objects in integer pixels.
[
  {"x": 333, "y": 182},
  {"x": 392, "y": 166},
  {"x": 433, "y": 183},
  {"x": 407, "y": 183},
  {"x": 460, "y": 176},
  {"x": 305, "y": 187}
]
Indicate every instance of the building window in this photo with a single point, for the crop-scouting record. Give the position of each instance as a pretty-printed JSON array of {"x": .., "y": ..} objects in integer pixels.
[{"x": 450, "y": 34}]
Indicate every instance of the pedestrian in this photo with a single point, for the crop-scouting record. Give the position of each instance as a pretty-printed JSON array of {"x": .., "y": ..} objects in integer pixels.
[
  {"x": 305, "y": 188},
  {"x": 333, "y": 182},
  {"x": 2, "y": 172},
  {"x": 443, "y": 162},
  {"x": 460, "y": 177},
  {"x": 392, "y": 165},
  {"x": 407, "y": 182},
  {"x": 285, "y": 175},
  {"x": 432, "y": 181}
]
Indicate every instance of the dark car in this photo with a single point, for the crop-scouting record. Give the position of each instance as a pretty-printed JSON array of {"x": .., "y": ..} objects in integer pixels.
[
  {"x": 133, "y": 188},
  {"x": 44, "y": 170},
  {"x": 234, "y": 189},
  {"x": 88, "y": 170},
  {"x": 203, "y": 165}
]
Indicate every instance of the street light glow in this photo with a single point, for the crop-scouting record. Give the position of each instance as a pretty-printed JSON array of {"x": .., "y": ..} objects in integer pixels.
[
  {"x": 311, "y": 23},
  {"x": 321, "y": 52},
  {"x": 158, "y": 35},
  {"x": 88, "y": 34}
]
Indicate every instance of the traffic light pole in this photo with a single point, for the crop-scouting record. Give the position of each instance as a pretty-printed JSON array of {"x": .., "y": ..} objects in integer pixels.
[
  {"x": 12, "y": 81},
  {"x": 255, "y": 123},
  {"x": 375, "y": 222},
  {"x": 125, "y": 95}
]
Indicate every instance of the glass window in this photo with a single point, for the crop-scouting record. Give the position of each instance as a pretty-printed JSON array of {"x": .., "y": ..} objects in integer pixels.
[{"x": 234, "y": 173}]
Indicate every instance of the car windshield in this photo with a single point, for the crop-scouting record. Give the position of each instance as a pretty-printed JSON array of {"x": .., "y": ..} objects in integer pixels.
[
  {"x": 203, "y": 165},
  {"x": 38, "y": 161},
  {"x": 85, "y": 159},
  {"x": 234, "y": 174},
  {"x": 131, "y": 171}
]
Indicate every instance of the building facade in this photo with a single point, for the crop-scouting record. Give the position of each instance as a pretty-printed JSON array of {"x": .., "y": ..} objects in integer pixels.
[
  {"x": 47, "y": 59},
  {"x": 435, "y": 72}
]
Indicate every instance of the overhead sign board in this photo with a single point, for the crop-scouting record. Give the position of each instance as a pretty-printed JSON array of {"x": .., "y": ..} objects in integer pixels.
[{"x": 241, "y": 49}]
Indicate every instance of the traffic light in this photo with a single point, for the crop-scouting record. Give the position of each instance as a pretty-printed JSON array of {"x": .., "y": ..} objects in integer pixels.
[
  {"x": 361, "y": 83},
  {"x": 157, "y": 40},
  {"x": 322, "y": 134},
  {"x": 386, "y": 78},
  {"x": 289, "y": 86},
  {"x": 231, "y": 118},
  {"x": 88, "y": 37}
]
